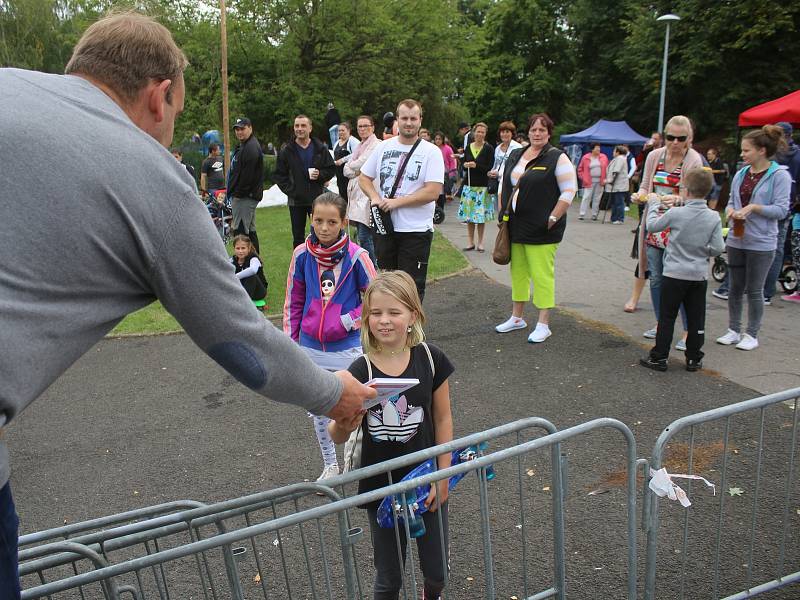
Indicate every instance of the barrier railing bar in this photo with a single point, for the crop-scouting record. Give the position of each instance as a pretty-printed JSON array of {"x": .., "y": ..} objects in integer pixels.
[
  {"x": 685, "y": 544},
  {"x": 522, "y": 522},
  {"x": 723, "y": 485},
  {"x": 755, "y": 500},
  {"x": 766, "y": 587},
  {"x": 259, "y": 566},
  {"x": 161, "y": 581},
  {"x": 328, "y": 509},
  {"x": 789, "y": 474},
  {"x": 308, "y": 559},
  {"x": 559, "y": 552},
  {"x": 486, "y": 532},
  {"x": 67, "y": 530},
  {"x": 542, "y": 595}
]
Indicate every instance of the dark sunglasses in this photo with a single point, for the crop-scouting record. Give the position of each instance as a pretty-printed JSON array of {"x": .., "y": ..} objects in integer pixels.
[{"x": 680, "y": 138}]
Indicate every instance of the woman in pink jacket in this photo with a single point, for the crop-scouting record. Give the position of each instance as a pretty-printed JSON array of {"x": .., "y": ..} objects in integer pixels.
[{"x": 592, "y": 175}]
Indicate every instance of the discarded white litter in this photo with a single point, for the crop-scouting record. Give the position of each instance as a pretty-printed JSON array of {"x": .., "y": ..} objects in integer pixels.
[{"x": 661, "y": 483}]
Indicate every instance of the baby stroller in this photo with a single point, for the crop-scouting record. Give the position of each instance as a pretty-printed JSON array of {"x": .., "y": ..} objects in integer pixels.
[
  {"x": 787, "y": 277},
  {"x": 219, "y": 208}
]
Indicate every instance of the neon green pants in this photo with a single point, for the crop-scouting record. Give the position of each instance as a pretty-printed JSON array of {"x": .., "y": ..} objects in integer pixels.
[{"x": 534, "y": 263}]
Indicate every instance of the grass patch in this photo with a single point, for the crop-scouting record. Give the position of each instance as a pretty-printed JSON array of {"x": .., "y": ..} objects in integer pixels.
[{"x": 275, "y": 237}]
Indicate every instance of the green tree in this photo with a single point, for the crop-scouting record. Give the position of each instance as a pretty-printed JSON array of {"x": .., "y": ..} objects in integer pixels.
[
  {"x": 724, "y": 57},
  {"x": 528, "y": 61}
]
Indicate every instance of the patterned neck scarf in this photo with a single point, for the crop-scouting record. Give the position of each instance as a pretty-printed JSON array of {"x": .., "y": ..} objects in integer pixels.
[{"x": 328, "y": 257}]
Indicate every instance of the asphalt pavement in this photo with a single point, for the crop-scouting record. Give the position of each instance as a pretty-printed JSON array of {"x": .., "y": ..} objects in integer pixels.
[
  {"x": 594, "y": 279},
  {"x": 140, "y": 421}
]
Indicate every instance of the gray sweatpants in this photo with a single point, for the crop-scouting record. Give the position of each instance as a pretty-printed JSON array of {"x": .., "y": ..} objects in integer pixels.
[{"x": 748, "y": 271}]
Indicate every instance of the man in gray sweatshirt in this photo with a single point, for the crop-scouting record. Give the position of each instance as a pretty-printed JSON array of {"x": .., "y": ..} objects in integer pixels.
[
  {"x": 99, "y": 220},
  {"x": 695, "y": 235}
]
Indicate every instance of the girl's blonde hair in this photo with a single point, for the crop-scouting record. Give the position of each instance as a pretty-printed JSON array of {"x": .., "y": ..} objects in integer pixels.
[{"x": 400, "y": 286}]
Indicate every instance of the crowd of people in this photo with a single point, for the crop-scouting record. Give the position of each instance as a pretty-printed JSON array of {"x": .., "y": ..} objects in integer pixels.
[{"x": 343, "y": 321}]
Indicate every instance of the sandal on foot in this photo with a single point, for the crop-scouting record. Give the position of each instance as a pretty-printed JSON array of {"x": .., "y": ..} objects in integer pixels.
[{"x": 468, "y": 248}]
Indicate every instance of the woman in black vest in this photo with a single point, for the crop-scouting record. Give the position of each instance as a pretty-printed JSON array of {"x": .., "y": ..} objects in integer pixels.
[{"x": 538, "y": 185}]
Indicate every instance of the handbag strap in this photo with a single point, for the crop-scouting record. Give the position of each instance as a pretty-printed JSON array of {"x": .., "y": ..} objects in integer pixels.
[{"x": 402, "y": 170}]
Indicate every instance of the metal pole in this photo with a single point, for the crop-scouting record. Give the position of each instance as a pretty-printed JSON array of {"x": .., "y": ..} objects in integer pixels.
[
  {"x": 223, "y": 30},
  {"x": 663, "y": 82}
]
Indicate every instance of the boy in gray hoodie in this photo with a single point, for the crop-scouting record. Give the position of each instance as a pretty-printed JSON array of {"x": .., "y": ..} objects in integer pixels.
[{"x": 695, "y": 235}]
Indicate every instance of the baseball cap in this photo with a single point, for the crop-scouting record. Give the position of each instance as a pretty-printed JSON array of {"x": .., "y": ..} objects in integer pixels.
[
  {"x": 242, "y": 122},
  {"x": 787, "y": 127},
  {"x": 462, "y": 125}
]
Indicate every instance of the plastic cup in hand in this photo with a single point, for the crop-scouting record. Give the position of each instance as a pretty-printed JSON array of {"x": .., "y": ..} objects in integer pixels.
[
  {"x": 738, "y": 227},
  {"x": 313, "y": 173}
]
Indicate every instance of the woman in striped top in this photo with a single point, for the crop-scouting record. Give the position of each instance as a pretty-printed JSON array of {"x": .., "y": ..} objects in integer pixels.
[
  {"x": 538, "y": 186},
  {"x": 663, "y": 175}
]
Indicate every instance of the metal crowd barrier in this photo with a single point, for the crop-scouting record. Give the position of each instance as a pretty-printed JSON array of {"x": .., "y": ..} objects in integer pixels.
[
  {"x": 305, "y": 541},
  {"x": 726, "y": 552},
  {"x": 206, "y": 566}
]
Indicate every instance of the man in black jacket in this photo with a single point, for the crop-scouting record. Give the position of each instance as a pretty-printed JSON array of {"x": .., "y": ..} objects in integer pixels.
[
  {"x": 303, "y": 168},
  {"x": 246, "y": 180}
]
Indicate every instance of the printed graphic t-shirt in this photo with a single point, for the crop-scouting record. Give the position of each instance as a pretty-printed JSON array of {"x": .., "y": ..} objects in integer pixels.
[
  {"x": 426, "y": 165},
  {"x": 403, "y": 424},
  {"x": 213, "y": 168}
]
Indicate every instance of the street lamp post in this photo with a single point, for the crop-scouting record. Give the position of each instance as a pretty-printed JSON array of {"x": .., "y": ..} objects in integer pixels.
[{"x": 667, "y": 19}]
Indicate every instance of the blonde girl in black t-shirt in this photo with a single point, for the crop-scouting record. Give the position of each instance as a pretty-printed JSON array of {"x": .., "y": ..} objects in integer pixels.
[{"x": 417, "y": 419}]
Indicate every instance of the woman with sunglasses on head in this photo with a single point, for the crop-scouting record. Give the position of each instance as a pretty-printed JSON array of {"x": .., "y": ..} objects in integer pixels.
[
  {"x": 663, "y": 176},
  {"x": 759, "y": 199}
]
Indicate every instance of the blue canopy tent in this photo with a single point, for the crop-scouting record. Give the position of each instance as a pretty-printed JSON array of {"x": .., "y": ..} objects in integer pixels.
[{"x": 606, "y": 133}]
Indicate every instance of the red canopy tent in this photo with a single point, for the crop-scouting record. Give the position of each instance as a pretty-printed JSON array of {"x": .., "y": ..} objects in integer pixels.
[{"x": 786, "y": 108}]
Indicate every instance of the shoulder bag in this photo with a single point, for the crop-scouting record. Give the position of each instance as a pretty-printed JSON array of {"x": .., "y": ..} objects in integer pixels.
[
  {"x": 502, "y": 243},
  {"x": 381, "y": 219}
]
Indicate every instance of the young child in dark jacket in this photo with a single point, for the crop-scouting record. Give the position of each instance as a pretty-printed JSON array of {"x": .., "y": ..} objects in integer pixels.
[{"x": 695, "y": 235}]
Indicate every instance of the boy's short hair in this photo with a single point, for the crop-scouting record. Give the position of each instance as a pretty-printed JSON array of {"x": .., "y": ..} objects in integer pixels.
[{"x": 698, "y": 182}]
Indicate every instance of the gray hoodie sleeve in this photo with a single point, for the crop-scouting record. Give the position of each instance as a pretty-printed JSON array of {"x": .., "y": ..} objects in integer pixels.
[
  {"x": 655, "y": 220},
  {"x": 216, "y": 312},
  {"x": 780, "y": 196},
  {"x": 716, "y": 244}
]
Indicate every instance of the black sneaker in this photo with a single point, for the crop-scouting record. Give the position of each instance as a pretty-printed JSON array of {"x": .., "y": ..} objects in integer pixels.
[
  {"x": 694, "y": 365},
  {"x": 655, "y": 364}
]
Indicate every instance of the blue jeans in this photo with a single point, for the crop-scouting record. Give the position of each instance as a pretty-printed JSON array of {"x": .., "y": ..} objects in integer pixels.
[
  {"x": 618, "y": 206},
  {"x": 9, "y": 532},
  {"x": 777, "y": 261},
  {"x": 366, "y": 242},
  {"x": 655, "y": 264}
]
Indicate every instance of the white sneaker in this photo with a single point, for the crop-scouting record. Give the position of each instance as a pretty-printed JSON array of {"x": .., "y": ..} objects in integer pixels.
[
  {"x": 681, "y": 345},
  {"x": 328, "y": 472},
  {"x": 748, "y": 342},
  {"x": 540, "y": 334},
  {"x": 650, "y": 334},
  {"x": 729, "y": 338},
  {"x": 512, "y": 324}
]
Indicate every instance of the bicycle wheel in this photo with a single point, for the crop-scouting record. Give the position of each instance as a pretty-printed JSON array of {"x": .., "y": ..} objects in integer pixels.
[
  {"x": 788, "y": 279},
  {"x": 720, "y": 269}
]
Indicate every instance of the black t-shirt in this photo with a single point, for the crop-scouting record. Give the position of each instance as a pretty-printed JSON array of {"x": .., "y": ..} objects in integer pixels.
[
  {"x": 213, "y": 167},
  {"x": 405, "y": 424}
]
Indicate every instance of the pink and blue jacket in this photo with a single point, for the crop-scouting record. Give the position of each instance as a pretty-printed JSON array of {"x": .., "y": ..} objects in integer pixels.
[{"x": 317, "y": 324}]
